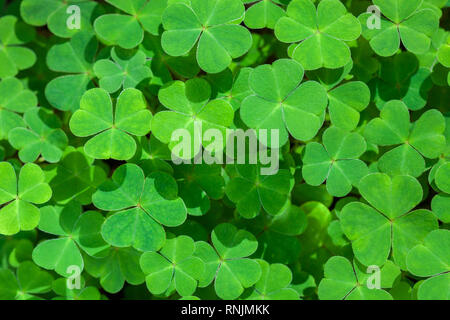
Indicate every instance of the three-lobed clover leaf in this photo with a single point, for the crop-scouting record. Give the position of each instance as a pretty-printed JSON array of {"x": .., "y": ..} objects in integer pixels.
[
  {"x": 18, "y": 197},
  {"x": 263, "y": 13},
  {"x": 213, "y": 24},
  {"x": 336, "y": 161},
  {"x": 280, "y": 102},
  {"x": 14, "y": 100},
  {"x": 127, "y": 70},
  {"x": 322, "y": 33},
  {"x": 14, "y": 57},
  {"x": 424, "y": 138},
  {"x": 113, "y": 128},
  {"x": 387, "y": 222},
  {"x": 405, "y": 22},
  {"x": 227, "y": 264},
  {"x": 143, "y": 204},
  {"x": 174, "y": 265},
  {"x": 44, "y": 137},
  {"x": 76, "y": 230},
  {"x": 432, "y": 259}
]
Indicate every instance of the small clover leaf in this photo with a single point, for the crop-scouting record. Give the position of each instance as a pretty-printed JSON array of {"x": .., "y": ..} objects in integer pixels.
[
  {"x": 76, "y": 230},
  {"x": 14, "y": 99},
  {"x": 174, "y": 265},
  {"x": 263, "y": 14},
  {"x": 406, "y": 21},
  {"x": 112, "y": 128},
  {"x": 213, "y": 24},
  {"x": 432, "y": 259},
  {"x": 281, "y": 102},
  {"x": 14, "y": 57},
  {"x": 226, "y": 263},
  {"x": 322, "y": 33},
  {"x": 388, "y": 222},
  {"x": 336, "y": 161},
  {"x": 422, "y": 139},
  {"x": 44, "y": 137},
  {"x": 19, "y": 196},
  {"x": 127, "y": 70},
  {"x": 144, "y": 204}
]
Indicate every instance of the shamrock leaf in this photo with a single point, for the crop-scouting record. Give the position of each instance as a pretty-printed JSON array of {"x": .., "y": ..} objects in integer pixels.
[
  {"x": 344, "y": 281},
  {"x": 190, "y": 109},
  {"x": 227, "y": 264},
  {"x": 251, "y": 191},
  {"x": 263, "y": 14},
  {"x": 30, "y": 280},
  {"x": 19, "y": 196},
  {"x": 432, "y": 259},
  {"x": 76, "y": 230},
  {"x": 112, "y": 129},
  {"x": 14, "y": 99},
  {"x": 127, "y": 30},
  {"x": 422, "y": 139},
  {"x": 405, "y": 21},
  {"x": 440, "y": 204},
  {"x": 76, "y": 58},
  {"x": 281, "y": 102},
  {"x": 213, "y": 24},
  {"x": 336, "y": 161},
  {"x": 388, "y": 222},
  {"x": 14, "y": 57},
  {"x": 322, "y": 33},
  {"x": 175, "y": 264},
  {"x": 118, "y": 266},
  {"x": 57, "y": 15},
  {"x": 44, "y": 137},
  {"x": 144, "y": 205},
  {"x": 127, "y": 70},
  {"x": 273, "y": 283},
  {"x": 443, "y": 54}
]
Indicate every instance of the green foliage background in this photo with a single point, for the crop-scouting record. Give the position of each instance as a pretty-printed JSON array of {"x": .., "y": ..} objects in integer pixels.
[{"x": 86, "y": 180}]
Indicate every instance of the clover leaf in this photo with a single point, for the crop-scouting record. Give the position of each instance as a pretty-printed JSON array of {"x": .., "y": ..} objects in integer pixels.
[
  {"x": 263, "y": 14},
  {"x": 432, "y": 259},
  {"x": 14, "y": 57},
  {"x": 213, "y": 24},
  {"x": 226, "y": 263},
  {"x": 322, "y": 33},
  {"x": 387, "y": 222},
  {"x": 174, "y": 264},
  {"x": 76, "y": 231},
  {"x": 14, "y": 100},
  {"x": 127, "y": 70},
  {"x": 112, "y": 128},
  {"x": 405, "y": 22},
  {"x": 336, "y": 161},
  {"x": 281, "y": 102},
  {"x": 18, "y": 197},
  {"x": 44, "y": 137},
  {"x": 144, "y": 205}
]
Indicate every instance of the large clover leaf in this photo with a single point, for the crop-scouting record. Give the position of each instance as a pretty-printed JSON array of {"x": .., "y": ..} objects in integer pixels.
[
  {"x": 191, "y": 109},
  {"x": 281, "y": 102},
  {"x": 422, "y": 139},
  {"x": 112, "y": 128},
  {"x": 44, "y": 137},
  {"x": 406, "y": 21},
  {"x": 336, "y": 161},
  {"x": 226, "y": 263},
  {"x": 14, "y": 57},
  {"x": 19, "y": 196},
  {"x": 388, "y": 222},
  {"x": 174, "y": 265},
  {"x": 263, "y": 14},
  {"x": 211, "y": 23},
  {"x": 14, "y": 99},
  {"x": 322, "y": 33},
  {"x": 432, "y": 259},
  {"x": 76, "y": 230},
  {"x": 144, "y": 205}
]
